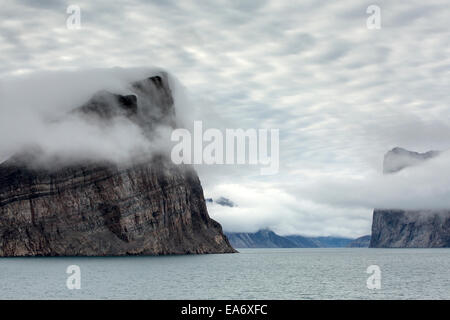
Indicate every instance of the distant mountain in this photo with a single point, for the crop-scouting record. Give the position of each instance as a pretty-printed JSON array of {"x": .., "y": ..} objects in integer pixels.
[
  {"x": 303, "y": 242},
  {"x": 332, "y": 242},
  {"x": 269, "y": 239},
  {"x": 361, "y": 242}
]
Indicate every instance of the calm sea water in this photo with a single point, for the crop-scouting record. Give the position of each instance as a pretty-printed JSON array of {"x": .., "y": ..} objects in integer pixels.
[{"x": 250, "y": 274}]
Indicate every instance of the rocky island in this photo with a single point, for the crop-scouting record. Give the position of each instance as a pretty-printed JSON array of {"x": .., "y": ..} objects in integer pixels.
[
  {"x": 101, "y": 208},
  {"x": 409, "y": 228}
]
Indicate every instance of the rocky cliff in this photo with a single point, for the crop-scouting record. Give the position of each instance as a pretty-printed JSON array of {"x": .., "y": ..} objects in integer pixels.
[
  {"x": 99, "y": 208},
  {"x": 409, "y": 228}
]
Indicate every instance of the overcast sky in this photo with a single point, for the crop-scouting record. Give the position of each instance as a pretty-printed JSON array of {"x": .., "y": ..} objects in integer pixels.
[{"x": 341, "y": 94}]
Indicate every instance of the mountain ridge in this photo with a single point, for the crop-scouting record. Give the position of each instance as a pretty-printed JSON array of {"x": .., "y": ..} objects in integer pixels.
[{"x": 266, "y": 238}]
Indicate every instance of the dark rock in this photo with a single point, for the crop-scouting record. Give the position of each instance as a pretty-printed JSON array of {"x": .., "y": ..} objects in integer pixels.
[
  {"x": 225, "y": 202},
  {"x": 106, "y": 105},
  {"x": 410, "y": 229}
]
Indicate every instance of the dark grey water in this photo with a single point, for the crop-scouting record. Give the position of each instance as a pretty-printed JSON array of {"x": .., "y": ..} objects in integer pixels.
[{"x": 251, "y": 274}]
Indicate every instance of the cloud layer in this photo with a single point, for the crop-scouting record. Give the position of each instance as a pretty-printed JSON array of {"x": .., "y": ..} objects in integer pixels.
[{"x": 341, "y": 94}]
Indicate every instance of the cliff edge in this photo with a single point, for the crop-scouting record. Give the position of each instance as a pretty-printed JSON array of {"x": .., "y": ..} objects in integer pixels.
[{"x": 100, "y": 208}]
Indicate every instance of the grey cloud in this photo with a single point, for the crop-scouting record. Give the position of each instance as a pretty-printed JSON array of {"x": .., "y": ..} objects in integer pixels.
[
  {"x": 35, "y": 112},
  {"x": 44, "y": 4}
]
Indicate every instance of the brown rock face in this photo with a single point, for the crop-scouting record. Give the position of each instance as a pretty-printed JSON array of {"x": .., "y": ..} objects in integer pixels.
[{"x": 96, "y": 209}]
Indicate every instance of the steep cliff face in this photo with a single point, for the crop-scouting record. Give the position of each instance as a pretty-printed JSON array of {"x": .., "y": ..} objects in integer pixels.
[
  {"x": 409, "y": 228},
  {"x": 94, "y": 208}
]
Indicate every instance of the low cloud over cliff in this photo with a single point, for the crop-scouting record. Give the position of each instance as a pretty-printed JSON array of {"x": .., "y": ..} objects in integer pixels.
[
  {"x": 36, "y": 114},
  {"x": 422, "y": 186}
]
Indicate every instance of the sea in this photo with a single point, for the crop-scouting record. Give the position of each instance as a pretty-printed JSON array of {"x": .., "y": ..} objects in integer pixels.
[{"x": 319, "y": 273}]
